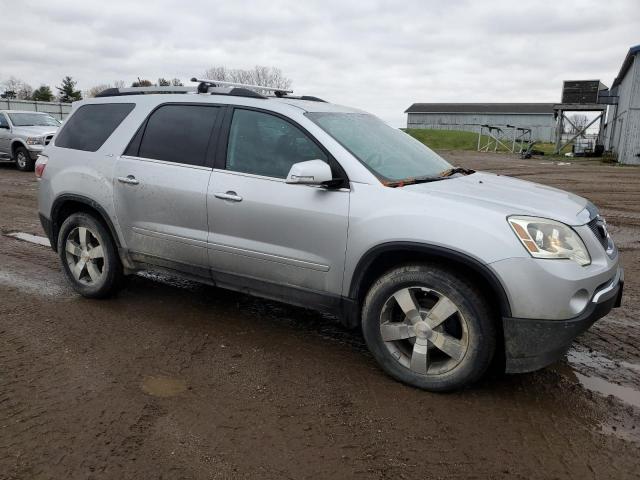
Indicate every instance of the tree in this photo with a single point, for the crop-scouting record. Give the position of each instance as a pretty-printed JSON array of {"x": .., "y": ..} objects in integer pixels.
[
  {"x": 68, "y": 92},
  {"x": 579, "y": 121},
  {"x": 162, "y": 82},
  {"x": 258, "y": 75},
  {"x": 93, "y": 91},
  {"x": 43, "y": 94},
  {"x": 20, "y": 89},
  {"x": 142, "y": 83},
  {"x": 176, "y": 82}
]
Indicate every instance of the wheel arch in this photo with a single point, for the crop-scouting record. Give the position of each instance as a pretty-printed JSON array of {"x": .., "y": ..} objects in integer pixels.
[
  {"x": 68, "y": 204},
  {"x": 15, "y": 144},
  {"x": 381, "y": 258}
]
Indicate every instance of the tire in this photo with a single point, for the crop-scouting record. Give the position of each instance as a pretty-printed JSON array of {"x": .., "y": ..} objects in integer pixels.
[
  {"x": 23, "y": 160},
  {"x": 93, "y": 272},
  {"x": 402, "y": 304}
]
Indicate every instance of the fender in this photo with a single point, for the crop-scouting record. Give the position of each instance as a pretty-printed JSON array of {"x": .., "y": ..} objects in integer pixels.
[
  {"x": 59, "y": 202},
  {"x": 435, "y": 251}
]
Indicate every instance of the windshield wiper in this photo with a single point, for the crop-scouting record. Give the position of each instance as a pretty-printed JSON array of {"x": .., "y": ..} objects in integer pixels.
[
  {"x": 412, "y": 181},
  {"x": 454, "y": 170}
]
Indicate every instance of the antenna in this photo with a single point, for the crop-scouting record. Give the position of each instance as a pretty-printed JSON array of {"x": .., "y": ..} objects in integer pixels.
[{"x": 219, "y": 83}]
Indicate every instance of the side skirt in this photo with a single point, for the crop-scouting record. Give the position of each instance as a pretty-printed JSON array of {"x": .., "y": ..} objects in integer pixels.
[{"x": 343, "y": 308}]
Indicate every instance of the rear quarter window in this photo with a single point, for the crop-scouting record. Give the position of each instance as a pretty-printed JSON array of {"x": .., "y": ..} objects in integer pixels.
[{"x": 91, "y": 125}]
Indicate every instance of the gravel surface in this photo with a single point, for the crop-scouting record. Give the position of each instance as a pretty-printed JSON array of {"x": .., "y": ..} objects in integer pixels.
[{"x": 172, "y": 379}]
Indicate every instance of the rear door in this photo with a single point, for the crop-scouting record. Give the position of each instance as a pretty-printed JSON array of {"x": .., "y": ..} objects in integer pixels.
[
  {"x": 160, "y": 187},
  {"x": 266, "y": 230}
]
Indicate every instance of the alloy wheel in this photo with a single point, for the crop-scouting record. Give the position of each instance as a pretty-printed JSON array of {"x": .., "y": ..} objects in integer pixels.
[
  {"x": 21, "y": 159},
  {"x": 85, "y": 256},
  {"x": 424, "y": 330}
]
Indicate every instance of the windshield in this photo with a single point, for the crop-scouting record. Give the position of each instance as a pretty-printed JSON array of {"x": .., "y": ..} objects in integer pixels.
[
  {"x": 389, "y": 153},
  {"x": 33, "y": 120}
]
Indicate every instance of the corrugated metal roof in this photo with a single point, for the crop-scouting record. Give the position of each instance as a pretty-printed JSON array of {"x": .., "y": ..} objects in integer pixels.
[
  {"x": 628, "y": 60},
  {"x": 480, "y": 108}
]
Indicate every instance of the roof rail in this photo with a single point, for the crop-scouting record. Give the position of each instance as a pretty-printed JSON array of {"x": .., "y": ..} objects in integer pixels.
[{"x": 115, "y": 92}]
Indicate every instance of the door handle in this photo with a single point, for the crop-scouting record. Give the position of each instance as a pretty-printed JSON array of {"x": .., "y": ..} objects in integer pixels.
[
  {"x": 233, "y": 196},
  {"x": 129, "y": 180}
]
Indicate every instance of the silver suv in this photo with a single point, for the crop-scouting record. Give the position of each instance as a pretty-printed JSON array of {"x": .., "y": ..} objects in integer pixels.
[
  {"x": 291, "y": 198},
  {"x": 23, "y": 136}
]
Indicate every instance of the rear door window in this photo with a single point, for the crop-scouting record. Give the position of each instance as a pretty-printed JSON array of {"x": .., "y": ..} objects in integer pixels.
[
  {"x": 178, "y": 133},
  {"x": 91, "y": 125}
]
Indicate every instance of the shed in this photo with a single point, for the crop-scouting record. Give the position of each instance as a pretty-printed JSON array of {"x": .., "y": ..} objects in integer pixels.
[
  {"x": 539, "y": 117},
  {"x": 623, "y": 122}
]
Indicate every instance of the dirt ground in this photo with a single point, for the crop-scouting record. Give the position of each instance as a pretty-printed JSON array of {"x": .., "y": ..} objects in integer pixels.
[{"x": 176, "y": 380}]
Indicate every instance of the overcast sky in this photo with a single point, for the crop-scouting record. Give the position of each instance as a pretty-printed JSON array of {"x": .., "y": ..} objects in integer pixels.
[{"x": 380, "y": 56}]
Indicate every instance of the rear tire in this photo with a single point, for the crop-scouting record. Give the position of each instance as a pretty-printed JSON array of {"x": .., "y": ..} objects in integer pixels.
[
  {"x": 429, "y": 328},
  {"x": 89, "y": 256},
  {"x": 24, "y": 163}
]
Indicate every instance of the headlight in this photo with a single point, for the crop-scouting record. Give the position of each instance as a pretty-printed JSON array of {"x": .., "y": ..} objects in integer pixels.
[
  {"x": 545, "y": 238},
  {"x": 35, "y": 140}
]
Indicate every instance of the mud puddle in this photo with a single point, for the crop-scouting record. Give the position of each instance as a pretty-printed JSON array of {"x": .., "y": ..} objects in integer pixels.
[{"x": 163, "y": 386}]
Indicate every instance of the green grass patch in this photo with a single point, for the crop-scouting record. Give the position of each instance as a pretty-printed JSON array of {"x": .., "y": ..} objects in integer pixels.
[
  {"x": 460, "y": 140},
  {"x": 445, "y": 139}
]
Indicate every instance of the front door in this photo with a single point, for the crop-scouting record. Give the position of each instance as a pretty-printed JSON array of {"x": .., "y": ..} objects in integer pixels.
[
  {"x": 5, "y": 135},
  {"x": 161, "y": 188},
  {"x": 264, "y": 229}
]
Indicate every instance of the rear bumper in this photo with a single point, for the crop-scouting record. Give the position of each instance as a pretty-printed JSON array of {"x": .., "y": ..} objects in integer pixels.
[
  {"x": 47, "y": 226},
  {"x": 534, "y": 344}
]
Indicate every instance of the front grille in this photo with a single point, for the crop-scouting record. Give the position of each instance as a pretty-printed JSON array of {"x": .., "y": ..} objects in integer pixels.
[
  {"x": 597, "y": 227},
  {"x": 47, "y": 139}
]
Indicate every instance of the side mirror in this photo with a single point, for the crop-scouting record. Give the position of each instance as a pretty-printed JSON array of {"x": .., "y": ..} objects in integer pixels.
[{"x": 311, "y": 172}]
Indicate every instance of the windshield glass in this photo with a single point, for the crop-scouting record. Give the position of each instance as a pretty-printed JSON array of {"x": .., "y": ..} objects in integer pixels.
[
  {"x": 33, "y": 120},
  {"x": 389, "y": 153}
]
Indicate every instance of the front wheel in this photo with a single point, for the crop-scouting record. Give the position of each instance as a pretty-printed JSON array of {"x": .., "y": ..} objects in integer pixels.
[
  {"x": 24, "y": 163},
  {"x": 89, "y": 256},
  {"x": 428, "y": 327}
]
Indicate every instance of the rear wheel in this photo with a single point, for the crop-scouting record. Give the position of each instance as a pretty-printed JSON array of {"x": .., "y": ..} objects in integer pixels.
[
  {"x": 428, "y": 327},
  {"x": 23, "y": 160},
  {"x": 89, "y": 256}
]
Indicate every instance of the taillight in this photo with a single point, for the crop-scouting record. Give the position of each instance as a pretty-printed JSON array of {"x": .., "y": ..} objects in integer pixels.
[{"x": 41, "y": 163}]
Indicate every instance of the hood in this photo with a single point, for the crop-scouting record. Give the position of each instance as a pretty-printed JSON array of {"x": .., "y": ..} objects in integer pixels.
[
  {"x": 36, "y": 131},
  {"x": 510, "y": 196}
]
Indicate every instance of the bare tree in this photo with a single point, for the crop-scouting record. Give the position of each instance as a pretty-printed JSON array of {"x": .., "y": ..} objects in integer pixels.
[
  {"x": 21, "y": 89},
  {"x": 119, "y": 84},
  {"x": 93, "y": 91},
  {"x": 579, "y": 121},
  {"x": 258, "y": 75}
]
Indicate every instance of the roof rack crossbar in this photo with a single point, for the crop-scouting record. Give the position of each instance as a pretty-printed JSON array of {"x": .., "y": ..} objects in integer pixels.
[{"x": 240, "y": 85}]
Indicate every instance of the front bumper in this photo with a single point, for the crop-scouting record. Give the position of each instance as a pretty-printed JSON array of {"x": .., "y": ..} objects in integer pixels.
[{"x": 533, "y": 344}]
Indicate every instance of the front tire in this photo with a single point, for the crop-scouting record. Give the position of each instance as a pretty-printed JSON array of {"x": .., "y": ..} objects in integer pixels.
[
  {"x": 429, "y": 327},
  {"x": 24, "y": 162},
  {"x": 89, "y": 256}
]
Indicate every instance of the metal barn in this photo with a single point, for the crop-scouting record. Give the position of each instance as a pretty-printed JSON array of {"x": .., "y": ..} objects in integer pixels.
[
  {"x": 539, "y": 117},
  {"x": 623, "y": 122}
]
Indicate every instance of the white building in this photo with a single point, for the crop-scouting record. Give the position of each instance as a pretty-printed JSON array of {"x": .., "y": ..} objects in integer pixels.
[
  {"x": 539, "y": 117},
  {"x": 623, "y": 121}
]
